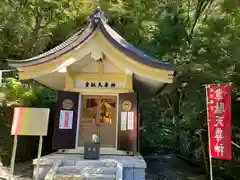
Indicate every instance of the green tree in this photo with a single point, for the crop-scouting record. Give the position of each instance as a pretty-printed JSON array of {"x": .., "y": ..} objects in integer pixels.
[{"x": 27, "y": 27}]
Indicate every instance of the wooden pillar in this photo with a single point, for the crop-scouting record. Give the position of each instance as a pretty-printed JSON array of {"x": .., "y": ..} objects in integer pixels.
[
  {"x": 69, "y": 82},
  {"x": 129, "y": 82}
]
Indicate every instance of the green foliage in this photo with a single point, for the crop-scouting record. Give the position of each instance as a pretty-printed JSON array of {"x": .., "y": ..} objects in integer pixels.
[
  {"x": 201, "y": 37},
  {"x": 29, "y": 94},
  {"x": 27, "y": 27}
]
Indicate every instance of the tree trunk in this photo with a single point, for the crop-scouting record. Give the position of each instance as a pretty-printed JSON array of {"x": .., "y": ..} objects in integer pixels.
[
  {"x": 205, "y": 157},
  {"x": 31, "y": 43},
  {"x": 177, "y": 120}
]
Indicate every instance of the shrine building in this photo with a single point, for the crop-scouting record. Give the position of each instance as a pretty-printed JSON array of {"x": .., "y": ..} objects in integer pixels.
[{"x": 99, "y": 78}]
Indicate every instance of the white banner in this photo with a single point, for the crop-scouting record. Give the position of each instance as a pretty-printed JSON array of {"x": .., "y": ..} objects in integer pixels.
[
  {"x": 123, "y": 121},
  {"x": 66, "y": 119},
  {"x": 130, "y": 120}
]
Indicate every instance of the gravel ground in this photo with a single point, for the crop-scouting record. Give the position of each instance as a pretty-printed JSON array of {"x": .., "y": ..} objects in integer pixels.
[{"x": 164, "y": 167}]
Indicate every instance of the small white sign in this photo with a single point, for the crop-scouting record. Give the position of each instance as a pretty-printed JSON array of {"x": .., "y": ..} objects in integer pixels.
[
  {"x": 130, "y": 118},
  {"x": 66, "y": 119},
  {"x": 123, "y": 121}
]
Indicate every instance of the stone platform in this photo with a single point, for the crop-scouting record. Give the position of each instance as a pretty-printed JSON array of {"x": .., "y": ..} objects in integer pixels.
[{"x": 59, "y": 166}]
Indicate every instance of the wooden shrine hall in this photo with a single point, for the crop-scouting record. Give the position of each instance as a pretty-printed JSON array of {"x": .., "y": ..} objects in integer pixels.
[{"x": 99, "y": 78}]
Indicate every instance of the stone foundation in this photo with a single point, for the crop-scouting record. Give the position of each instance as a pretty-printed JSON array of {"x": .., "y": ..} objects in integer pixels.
[{"x": 73, "y": 166}]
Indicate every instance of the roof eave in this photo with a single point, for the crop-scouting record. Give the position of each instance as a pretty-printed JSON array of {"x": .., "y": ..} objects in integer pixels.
[
  {"x": 122, "y": 48},
  {"x": 55, "y": 54}
]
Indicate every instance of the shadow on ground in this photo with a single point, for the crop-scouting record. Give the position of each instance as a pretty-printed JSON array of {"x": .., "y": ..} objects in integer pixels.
[{"x": 169, "y": 167}]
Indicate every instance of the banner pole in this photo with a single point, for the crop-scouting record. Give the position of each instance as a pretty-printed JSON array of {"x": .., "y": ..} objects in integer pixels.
[
  {"x": 39, "y": 156},
  {"x": 13, "y": 157},
  {"x": 209, "y": 142}
]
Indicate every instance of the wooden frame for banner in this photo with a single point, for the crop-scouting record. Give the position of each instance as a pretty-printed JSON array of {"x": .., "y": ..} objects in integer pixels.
[
  {"x": 209, "y": 143},
  {"x": 216, "y": 84},
  {"x": 14, "y": 156},
  {"x": 235, "y": 145},
  {"x": 39, "y": 155}
]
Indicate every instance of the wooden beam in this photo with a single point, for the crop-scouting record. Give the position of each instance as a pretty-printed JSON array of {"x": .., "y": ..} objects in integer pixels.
[
  {"x": 97, "y": 77},
  {"x": 97, "y": 90},
  {"x": 69, "y": 82},
  {"x": 100, "y": 67},
  {"x": 129, "y": 82}
]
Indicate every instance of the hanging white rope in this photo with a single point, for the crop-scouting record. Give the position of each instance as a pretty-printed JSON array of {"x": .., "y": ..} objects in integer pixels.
[{"x": 236, "y": 145}]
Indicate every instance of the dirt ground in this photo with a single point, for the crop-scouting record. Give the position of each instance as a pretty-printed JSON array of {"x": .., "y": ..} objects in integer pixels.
[
  {"x": 169, "y": 167},
  {"x": 23, "y": 171}
]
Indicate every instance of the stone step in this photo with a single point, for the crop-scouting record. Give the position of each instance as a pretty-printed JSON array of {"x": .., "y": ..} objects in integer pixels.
[
  {"x": 98, "y": 163},
  {"x": 71, "y": 170},
  {"x": 85, "y": 177}
]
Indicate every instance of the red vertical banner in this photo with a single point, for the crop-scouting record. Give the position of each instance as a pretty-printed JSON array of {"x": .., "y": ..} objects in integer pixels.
[{"x": 219, "y": 120}]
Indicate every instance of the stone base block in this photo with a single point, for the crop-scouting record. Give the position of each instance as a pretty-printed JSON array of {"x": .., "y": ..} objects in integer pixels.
[
  {"x": 126, "y": 167},
  {"x": 43, "y": 170}
]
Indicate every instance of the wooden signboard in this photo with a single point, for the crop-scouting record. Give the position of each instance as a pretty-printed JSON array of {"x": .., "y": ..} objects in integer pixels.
[{"x": 29, "y": 122}]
